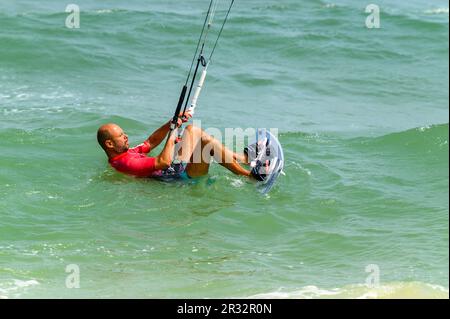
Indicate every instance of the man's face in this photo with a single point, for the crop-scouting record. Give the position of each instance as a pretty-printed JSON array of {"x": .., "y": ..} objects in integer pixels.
[{"x": 119, "y": 140}]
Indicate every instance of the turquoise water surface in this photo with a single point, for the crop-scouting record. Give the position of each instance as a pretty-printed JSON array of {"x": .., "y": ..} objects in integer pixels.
[{"x": 362, "y": 116}]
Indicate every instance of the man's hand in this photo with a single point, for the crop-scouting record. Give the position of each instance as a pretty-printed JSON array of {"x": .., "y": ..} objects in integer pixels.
[
  {"x": 182, "y": 119},
  {"x": 187, "y": 116},
  {"x": 179, "y": 122}
]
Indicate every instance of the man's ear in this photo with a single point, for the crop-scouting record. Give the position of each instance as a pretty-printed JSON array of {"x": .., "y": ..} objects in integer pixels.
[{"x": 109, "y": 144}]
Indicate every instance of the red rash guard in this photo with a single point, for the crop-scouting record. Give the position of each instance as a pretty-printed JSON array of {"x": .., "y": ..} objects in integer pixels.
[{"x": 135, "y": 161}]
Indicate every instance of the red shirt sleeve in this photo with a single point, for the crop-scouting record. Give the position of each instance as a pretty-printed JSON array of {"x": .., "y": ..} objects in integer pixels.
[
  {"x": 141, "y": 148},
  {"x": 140, "y": 167},
  {"x": 135, "y": 161}
]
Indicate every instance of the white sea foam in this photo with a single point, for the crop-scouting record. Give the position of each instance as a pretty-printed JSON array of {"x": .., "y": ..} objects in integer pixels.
[
  {"x": 398, "y": 290},
  {"x": 23, "y": 96},
  {"x": 308, "y": 292},
  {"x": 49, "y": 110},
  {"x": 15, "y": 287},
  {"x": 27, "y": 283},
  {"x": 237, "y": 183},
  {"x": 103, "y": 11},
  {"x": 56, "y": 96},
  {"x": 424, "y": 128},
  {"x": 437, "y": 11},
  {"x": 330, "y": 5},
  {"x": 300, "y": 167}
]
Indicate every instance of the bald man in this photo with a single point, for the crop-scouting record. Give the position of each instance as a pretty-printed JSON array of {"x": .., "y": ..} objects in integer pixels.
[{"x": 194, "y": 155}]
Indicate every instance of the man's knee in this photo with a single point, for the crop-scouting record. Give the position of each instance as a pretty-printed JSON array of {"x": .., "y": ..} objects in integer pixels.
[
  {"x": 194, "y": 129},
  {"x": 206, "y": 138},
  {"x": 198, "y": 132}
]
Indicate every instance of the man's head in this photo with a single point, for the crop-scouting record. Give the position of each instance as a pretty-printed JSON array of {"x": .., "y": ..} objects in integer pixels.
[{"x": 112, "y": 139}]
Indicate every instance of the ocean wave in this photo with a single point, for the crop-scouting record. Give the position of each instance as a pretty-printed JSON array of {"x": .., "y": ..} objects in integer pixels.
[
  {"x": 414, "y": 20},
  {"x": 106, "y": 11},
  {"x": 428, "y": 138},
  {"x": 396, "y": 290},
  {"x": 437, "y": 11},
  {"x": 15, "y": 287},
  {"x": 428, "y": 135},
  {"x": 39, "y": 16},
  {"x": 329, "y": 5}
]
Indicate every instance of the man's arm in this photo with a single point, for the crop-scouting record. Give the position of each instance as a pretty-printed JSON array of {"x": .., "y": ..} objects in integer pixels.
[
  {"x": 164, "y": 160},
  {"x": 158, "y": 136}
]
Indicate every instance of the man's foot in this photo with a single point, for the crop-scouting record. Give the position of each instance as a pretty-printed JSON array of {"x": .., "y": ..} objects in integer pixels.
[
  {"x": 241, "y": 158},
  {"x": 255, "y": 172}
]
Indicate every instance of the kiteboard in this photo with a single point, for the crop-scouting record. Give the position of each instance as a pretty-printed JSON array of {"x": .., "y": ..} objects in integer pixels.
[{"x": 266, "y": 158}]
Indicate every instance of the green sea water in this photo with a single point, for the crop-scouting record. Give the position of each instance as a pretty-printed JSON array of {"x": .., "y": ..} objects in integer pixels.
[{"x": 362, "y": 116}]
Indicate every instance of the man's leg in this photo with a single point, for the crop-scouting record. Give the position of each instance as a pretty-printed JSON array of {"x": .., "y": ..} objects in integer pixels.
[
  {"x": 241, "y": 158},
  {"x": 198, "y": 148},
  {"x": 191, "y": 144}
]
